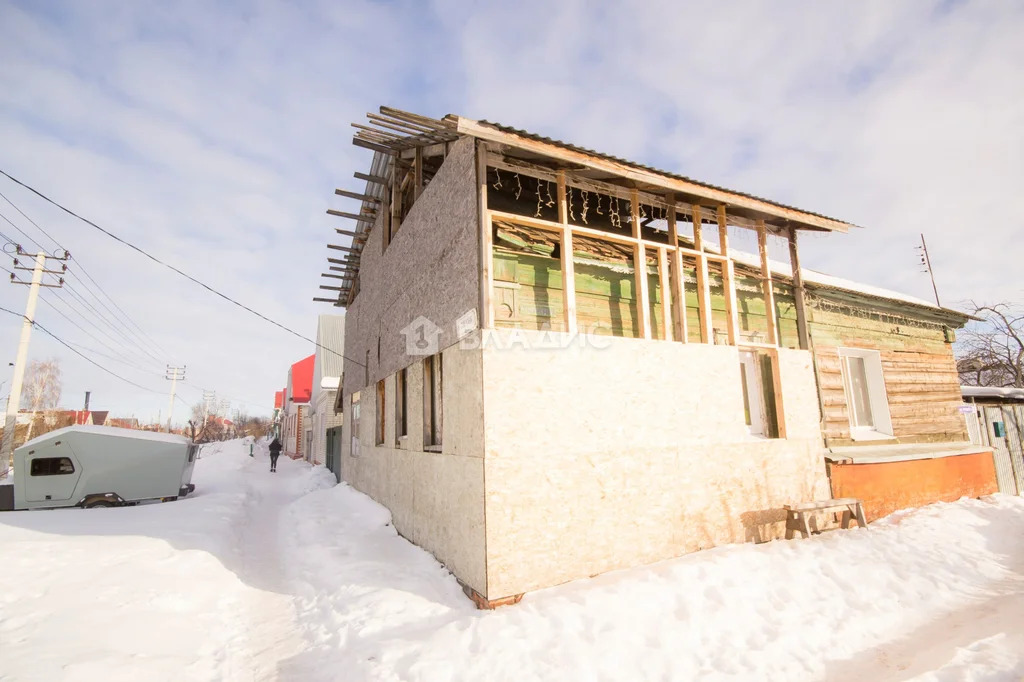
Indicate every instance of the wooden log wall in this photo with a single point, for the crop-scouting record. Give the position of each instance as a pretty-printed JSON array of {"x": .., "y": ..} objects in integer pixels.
[{"x": 921, "y": 382}]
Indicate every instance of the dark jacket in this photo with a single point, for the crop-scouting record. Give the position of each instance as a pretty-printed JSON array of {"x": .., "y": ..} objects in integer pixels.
[{"x": 275, "y": 447}]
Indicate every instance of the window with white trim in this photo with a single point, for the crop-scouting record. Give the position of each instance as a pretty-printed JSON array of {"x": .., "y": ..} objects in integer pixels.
[
  {"x": 757, "y": 377},
  {"x": 354, "y": 411},
  {"x": 866, "y": 399}
]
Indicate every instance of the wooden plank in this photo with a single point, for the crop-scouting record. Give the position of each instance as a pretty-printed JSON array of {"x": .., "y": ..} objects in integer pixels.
[
  {"x": 343, "y": 248},
  {"x": 327, "y": 274},
  {"x": 356, "y": 195},
  {"x": 324, "y": 286},
  {"x": 640, "y": 269},
  {"x": 395, "y": 206},
  {"x": 353, "y": 216},
  {"x": 703, "y": 280},
  {"x": 667, "y": 297},
  {"x": 648, "y": 177},
  {"x": 798, "y": 293},
  {"x": 417, "y": 167},
  {"x": 766, "y": 283},
  {"x": 568, "y": 266},
  {"x": 780, "y": 411},
  {"x": 728, "y": 280},
  {"x": 376, "y": 179},
  {"x": 486, "y": 245},
  {"x": 679, "y": 330},
  {"x": 326, "y": 300},
  {"x": 373, "y": 146}
]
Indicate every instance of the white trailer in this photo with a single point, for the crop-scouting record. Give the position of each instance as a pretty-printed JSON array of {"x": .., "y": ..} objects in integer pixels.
[{"x": 99, "y": 466}]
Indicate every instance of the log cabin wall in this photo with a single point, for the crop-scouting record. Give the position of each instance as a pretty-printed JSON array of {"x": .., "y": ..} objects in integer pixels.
[{"x": 921, "y": 383}]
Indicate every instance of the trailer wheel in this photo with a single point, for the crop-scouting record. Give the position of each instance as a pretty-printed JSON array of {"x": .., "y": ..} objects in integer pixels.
[{"x": 99, "y": 503}]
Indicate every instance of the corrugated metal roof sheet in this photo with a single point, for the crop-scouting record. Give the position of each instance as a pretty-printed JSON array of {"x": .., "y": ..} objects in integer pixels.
[
  {"x": 330, "y": 333},
  {"x": 640, "y": 166}
]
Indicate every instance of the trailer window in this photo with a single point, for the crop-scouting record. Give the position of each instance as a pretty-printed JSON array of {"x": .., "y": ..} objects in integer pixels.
[{"x": 51, "y": 466}]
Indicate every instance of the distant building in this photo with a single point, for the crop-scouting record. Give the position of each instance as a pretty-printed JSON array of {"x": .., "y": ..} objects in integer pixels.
[
  {"x": 295, "y": 432},
  {"x": 327, "y": 365}
]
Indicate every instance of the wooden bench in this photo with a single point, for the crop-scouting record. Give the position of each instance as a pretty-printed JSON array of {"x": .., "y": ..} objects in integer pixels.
[{"x": 797, "y": 514}]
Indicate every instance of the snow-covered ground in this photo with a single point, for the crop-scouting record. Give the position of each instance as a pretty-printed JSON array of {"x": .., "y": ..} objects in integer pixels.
[{"x": 263, "y": 576}]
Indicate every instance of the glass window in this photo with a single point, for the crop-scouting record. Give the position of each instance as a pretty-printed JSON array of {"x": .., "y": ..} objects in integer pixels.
[
  {"x": 432, "y": 401},
  {"x": 354, "y": 452},
  {"x": 401, "y": 426},
  {"x": 380, "y": 412},
  {"x": 51, "y": 466}
]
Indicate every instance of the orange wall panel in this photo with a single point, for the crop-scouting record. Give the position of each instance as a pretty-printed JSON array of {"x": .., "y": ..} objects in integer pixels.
[{"x": 886, "y": 487}]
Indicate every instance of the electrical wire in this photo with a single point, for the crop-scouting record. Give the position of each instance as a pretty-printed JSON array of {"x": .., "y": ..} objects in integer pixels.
[
  {"x": 78, "y": 353},
  {"x": 175, "y": 269},
  {"x": 124, "y": 316}
]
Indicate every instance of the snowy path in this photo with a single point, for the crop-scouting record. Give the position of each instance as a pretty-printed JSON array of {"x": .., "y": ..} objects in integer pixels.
[{"x": 264, "y": 576}]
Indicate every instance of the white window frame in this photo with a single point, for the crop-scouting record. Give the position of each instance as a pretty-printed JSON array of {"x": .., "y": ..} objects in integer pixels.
[
  {"x": 354, "y": 409},
  {"x": 751, "y": 371},
  {"x": 877, "y": 398}
]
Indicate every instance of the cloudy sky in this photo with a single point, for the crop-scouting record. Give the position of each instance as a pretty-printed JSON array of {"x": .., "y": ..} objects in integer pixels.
[{"x": 213, "y": 135}]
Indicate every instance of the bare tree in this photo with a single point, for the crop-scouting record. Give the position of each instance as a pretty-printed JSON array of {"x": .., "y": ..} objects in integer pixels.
[
  {"x": 991, "y": 352},
  {"x": 42, "y": 388}
]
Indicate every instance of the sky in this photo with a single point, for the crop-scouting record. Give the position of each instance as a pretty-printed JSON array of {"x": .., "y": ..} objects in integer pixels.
[{"x": 213, "y": 135}]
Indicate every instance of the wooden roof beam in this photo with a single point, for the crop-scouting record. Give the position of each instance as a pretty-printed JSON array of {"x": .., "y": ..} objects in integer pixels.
[
  {"x": 353, "y": 216},
  {"x": 357, "y": 195},
  {"x": 638, "y": 175}
]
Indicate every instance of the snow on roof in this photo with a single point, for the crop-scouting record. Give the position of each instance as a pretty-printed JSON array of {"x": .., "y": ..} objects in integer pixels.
[
  {"x": 114, "y": 431},
  {"x": 992, "y": 392},
  {"x": 821, "y": 279}
]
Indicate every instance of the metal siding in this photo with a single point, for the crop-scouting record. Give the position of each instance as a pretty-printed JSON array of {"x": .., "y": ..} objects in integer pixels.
[{"x": 1004, "y": 469}]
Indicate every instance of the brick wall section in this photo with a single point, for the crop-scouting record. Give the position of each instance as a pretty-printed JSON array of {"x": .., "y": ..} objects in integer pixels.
[{"x": 890, "y": 486}]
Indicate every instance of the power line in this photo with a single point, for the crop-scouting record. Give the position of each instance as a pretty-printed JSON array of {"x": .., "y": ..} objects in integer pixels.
[
  {"x": 4, "y": 197},
  {"x": 38, "y": 245},
  {"x": 81, "y": 355},
  {"x": 124, "y": 316},
  {"x": 91, "y": 335},
  {"x": 175, "y": 269}
]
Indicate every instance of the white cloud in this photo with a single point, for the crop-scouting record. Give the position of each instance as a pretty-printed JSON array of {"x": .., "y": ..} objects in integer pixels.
[{"x": 214, "y": 137}]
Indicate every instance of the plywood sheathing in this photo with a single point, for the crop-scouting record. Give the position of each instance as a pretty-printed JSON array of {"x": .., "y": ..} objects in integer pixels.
[{"x": 648, "y": 460}]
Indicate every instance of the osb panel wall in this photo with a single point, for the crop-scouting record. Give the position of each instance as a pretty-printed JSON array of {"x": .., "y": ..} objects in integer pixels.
[
  {"x": 890, "y": 486},
  {"x": 921, "y": 380},
  {"x": 436, "y": 499},
  {"x": 600, "y": 459},
  {"x": 431, "y": 268}
]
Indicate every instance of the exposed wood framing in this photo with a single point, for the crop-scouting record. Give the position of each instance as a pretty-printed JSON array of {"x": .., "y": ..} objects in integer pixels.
[
  {"x": 648, "y": 177},
  {"x": 342, "y": 248},
  {"x": 728, "y": 279},
  {"x": 357, "y": 236},
  {"x": 767, "y": 286},
  {"x": 798, "y": 293},
  {"x": 667, "y": 297},
  {"x": 327, "y": 274},
  {"x": 376, "y": 179},
  {"x": 417, "y": 173},
  {"x": 357, "y": 195},
  {"x": 780, "y": 409},
  {"x": 643, "y": 310},
  {"x": 679, "y": 330},
  {"x": 486, "y": 250},
  {"x": 353, "y": 216},
  {"x": 373, "y": 146},
  {"x": 703, "y": 288},
  {"x": 395, "y": 214},
  {"x": 568, "y": 266},
  {"x": 330, "y": 288}
]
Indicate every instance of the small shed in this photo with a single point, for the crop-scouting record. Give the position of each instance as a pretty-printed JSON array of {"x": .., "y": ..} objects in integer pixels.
[{"x": 995, "y": 417}]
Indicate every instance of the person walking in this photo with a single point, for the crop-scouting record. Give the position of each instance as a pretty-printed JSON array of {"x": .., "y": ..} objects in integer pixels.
[{"x": 275, "y": 452}]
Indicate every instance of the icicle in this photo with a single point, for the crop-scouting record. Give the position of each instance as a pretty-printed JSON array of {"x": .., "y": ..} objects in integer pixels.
[
  {"x": 586, "y": 199},
  {"x": 540, "y": 201},
  {"x": 497, "y": 184},
  {"x": 551, "y": 199},
  {"x": 519, "y": 187},
  {"x": 569, "y": 197}
]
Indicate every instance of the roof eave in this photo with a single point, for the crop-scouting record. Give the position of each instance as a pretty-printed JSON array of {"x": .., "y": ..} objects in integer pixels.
[{"x": 793, "y": 217}]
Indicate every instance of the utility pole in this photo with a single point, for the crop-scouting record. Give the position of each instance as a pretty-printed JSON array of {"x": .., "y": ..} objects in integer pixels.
[
  {"x": 174, "y": 374},
  {"x": 927, "y": 263},
  {"x": 14, "y": 399}
]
